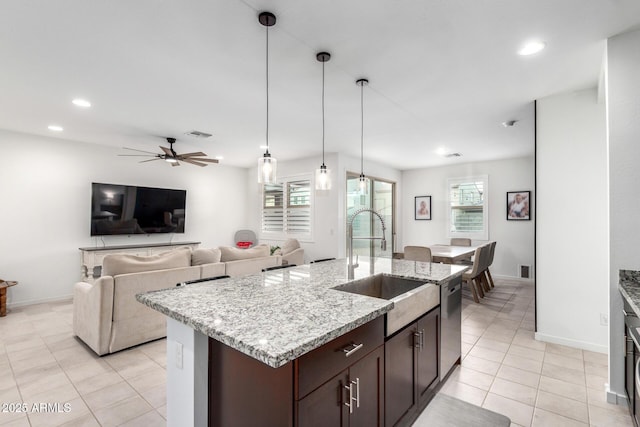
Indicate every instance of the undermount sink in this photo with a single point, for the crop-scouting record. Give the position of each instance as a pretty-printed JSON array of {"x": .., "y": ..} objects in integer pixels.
[{"x": 412, "y": 298}]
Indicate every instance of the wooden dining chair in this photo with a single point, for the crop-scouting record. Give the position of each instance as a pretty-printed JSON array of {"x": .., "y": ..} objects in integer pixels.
[
  {"x": 417, "y": 253},
  {"x": 470, "y": 277},
  {"x": 459, "y": 241},
  {"x": 489, "y": 263},
  {"x": 485, "y": 256}
]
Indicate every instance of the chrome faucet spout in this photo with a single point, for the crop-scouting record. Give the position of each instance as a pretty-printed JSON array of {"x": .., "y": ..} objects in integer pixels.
[{"x": 383, "y": 241}]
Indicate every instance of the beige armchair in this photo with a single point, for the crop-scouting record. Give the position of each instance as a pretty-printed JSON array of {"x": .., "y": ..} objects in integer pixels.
[{"x": 292, "y": 253}]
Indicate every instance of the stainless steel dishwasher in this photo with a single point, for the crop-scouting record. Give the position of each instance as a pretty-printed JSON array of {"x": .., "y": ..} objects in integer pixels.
[{"x": 450, "y": 325}]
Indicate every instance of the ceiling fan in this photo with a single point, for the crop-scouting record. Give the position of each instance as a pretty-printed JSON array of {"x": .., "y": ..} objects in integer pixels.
[{"x": 169, "y": 155}]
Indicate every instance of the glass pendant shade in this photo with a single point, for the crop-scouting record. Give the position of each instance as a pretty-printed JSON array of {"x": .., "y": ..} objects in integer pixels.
[
  {"x": 267, "y": 167},
  {"x": 363, "y": 184},
  {"x": 323, "y": 178}
]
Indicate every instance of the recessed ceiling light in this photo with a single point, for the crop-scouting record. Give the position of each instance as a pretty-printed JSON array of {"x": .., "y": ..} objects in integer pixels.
[
  {"x": 219, "y": 157},
  {"x": 55, "y": 128},
  {"x": 441, "y": 151},
  {"x": 81, "y": 103},
  {"x": 531, "y": 48}
]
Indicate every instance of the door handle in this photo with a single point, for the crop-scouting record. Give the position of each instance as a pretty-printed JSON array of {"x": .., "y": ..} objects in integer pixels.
[
  {"x": 421, "y": 339},
  {"x": 349, "y": 403},
  {"x": 416, "y": 339},
  {"x": 357, "y": 384}
]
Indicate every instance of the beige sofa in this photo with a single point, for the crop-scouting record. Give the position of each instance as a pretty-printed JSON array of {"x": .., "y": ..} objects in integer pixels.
[{"x": 106, "y": 315}]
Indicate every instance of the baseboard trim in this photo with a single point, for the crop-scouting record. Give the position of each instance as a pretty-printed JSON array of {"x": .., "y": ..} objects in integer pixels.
[
  {"x": 616, "y": 398},
  {"x": 583, "y": 345},
  {"x": 514, "y": 278},
  {"x": 17, "y": 304}
]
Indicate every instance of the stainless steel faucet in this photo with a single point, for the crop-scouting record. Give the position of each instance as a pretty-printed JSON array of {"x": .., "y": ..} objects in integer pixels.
[{"x": 383, "y": 241}]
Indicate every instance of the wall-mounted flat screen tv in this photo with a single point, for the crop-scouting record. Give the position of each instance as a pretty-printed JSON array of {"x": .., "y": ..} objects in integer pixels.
[{"x": 127, "y": 209}]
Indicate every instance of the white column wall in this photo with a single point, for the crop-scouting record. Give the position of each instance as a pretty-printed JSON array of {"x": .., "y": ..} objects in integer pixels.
[
  {"x": 623, "y": 110},
  {"x": 572, "y": 233}
]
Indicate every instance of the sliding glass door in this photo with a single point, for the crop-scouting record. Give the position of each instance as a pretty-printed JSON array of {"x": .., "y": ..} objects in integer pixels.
[{"x": 380, "y": 196}]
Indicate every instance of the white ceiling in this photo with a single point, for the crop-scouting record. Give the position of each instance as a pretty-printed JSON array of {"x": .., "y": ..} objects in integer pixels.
[{"x": 442, "y": 73}]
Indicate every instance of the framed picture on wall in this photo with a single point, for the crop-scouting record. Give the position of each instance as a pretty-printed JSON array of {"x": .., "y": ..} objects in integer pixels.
[
  {"x": 518, "y": 205},
  {"x": 423, "y": 207}
]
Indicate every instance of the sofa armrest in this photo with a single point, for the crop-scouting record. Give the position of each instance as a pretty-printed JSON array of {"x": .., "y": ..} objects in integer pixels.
[
  {"x": 93, "y": 312},
  {"x": 294, "y": 257}
]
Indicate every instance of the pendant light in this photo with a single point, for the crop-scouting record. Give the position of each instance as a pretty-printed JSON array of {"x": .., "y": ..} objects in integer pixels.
[
  {"x": 323, "y": 175},
  {"x": 266, "y": 164},
  {"x": 363, "y": 181}
]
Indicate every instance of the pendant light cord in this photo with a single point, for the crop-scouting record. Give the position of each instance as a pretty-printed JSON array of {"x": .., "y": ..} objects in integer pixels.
[
  {"x": 362, "y": 129},
  {"x": 267, "y": 73},
  {"x": 323, "y": 114}
]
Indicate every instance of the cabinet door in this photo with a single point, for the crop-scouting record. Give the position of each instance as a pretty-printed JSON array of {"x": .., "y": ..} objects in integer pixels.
[
  {"x": 400, "y": 365},
  {"x": 325, "y": 406},
  {"x": 368, "y": 374},
  {"x": 427, "y": 352}
]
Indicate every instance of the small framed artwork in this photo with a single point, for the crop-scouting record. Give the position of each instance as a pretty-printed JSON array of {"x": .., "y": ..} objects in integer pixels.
[
  {"x": 423, "y": 207},
  {"x": 518, "y": 205}
]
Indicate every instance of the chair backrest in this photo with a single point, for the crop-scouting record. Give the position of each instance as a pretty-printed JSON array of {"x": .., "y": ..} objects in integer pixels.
[
  {"x": 417, "y": 253},
  {"x": 480, "y": 259},
  {"x": 245, "y": 236},
  {"x": 459, "y": 241},
  {"x": 278, "y": 267},
  {"x": 491, "y": 253},
  {"x": 321, "y": 260}
]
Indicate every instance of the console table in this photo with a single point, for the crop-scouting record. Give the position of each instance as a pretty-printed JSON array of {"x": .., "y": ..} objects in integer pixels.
[{"x": 91, "y": 258}]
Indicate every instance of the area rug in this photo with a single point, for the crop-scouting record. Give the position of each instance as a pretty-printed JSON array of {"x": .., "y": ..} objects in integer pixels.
[{"x": 447, "y": 411}]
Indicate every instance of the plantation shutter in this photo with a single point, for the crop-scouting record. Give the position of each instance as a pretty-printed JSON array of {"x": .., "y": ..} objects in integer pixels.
[
  {"x": 467, "y": 207},
  {"x": 298, "y": 213},
  {"x": 272, "y": 208}
]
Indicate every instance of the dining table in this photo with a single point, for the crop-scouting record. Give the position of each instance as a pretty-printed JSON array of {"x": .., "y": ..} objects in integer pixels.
[{"x": 449, "y": 254}]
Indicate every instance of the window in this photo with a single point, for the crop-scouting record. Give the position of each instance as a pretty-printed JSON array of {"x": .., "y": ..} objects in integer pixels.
[
  {"x": 286, "y": 209},
  {"x": 468, "y": 208}
]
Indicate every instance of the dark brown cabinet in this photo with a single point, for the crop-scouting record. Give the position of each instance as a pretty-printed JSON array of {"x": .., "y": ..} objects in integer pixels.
[
  {"x": 353, "y": 398},
  {"x": 411, "y": 369}
]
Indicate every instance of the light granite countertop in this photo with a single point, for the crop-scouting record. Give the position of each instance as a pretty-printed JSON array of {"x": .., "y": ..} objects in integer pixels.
[
  {"x": 629, "y": 285},
  {"x": 277, "y": 316}
]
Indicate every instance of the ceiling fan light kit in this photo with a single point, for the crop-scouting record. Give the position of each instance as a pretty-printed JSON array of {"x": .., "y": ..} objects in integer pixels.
[
  {"x": 170, "y": 156},
  {"x": 267, "y": 165},
  {"x": 323, "y": 175}
]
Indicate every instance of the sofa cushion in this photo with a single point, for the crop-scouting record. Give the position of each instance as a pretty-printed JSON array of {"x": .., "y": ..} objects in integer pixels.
[
  {"x": 233, "y": 254},
  {"x": 116, "y": 264},
  {"x": 290, "y": 245},
  {"x": 205, "y": 256}
]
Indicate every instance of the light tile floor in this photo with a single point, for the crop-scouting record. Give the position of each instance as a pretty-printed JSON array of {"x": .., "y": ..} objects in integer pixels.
[
  {"x": 533, "y": 383},
  {"x": 504, "y": 369}
]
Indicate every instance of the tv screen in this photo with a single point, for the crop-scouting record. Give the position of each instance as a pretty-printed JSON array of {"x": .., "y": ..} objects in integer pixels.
[{"x": 126, "y": 209}]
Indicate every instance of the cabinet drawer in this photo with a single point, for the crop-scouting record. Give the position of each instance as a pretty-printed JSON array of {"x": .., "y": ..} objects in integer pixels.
[{"x": 323, "y": 363}]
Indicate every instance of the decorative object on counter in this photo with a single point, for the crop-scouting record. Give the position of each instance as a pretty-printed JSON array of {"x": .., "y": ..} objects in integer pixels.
[
  {"x": 3, "y": 295},
  {"x": 363, "y": 180},
  {"x": 423, "y": 207},
  {"x": 275, "y": 250},
  {"x": 447, "y": 411},
  {"x": 266, "y": 164},
  {"x": 323, "y": 175},
  {"x": 518, "y": 205}
]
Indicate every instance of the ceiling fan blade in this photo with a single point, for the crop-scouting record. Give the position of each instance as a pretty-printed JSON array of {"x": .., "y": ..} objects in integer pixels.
[
  {"x": 197, "y": 154},
  {"x": 204, "y": 160},
  {"x": 150, "y": 160},
  {"x": 166, "y": 151},
  {"x": 136, "y": 155},
  {"x": 194, "y": 162},
  {"x": 142, "y": 151}
]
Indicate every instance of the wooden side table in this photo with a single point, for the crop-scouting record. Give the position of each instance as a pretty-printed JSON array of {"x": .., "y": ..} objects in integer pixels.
[{"x": 3, "y": 296}]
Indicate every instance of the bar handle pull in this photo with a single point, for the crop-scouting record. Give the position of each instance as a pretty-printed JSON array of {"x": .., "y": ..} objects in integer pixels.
[
  {"x": 354, "y": 347},
  {"x": 349, "y": 402}
]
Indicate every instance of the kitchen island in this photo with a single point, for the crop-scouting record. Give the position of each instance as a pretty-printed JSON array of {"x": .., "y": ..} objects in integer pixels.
[{"x": 264, "y": 325}]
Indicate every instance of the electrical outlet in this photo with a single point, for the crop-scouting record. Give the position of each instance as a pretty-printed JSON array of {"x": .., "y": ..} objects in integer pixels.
[
  {"x": 604, "y": 319},
  {"x": 178, "y": 355}
]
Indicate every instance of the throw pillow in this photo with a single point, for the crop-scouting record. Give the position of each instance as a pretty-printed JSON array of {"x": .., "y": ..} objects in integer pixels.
[
  {"x": 115, "y": 264},
  {"x": 289, "y": 246},
  {"x": 205, "y": 256},
  {"x": 233, "y": 254}
]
